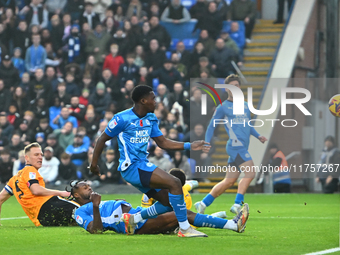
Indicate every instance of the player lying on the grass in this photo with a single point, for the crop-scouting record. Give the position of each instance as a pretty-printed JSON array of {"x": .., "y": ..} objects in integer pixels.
[
  {"x": 186, "y": 187},
  {"x": 134, "y": 127},
  {"x": 97, "y": 216},
  {"x": 43, "y": 206},
  {"x": 237, "y": 149}
]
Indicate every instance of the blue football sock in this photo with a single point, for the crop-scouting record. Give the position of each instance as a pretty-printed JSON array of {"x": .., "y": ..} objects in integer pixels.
[
  {"x": 203, "y": 220},
  {"x": 208, "y": 200},
  {"x": 154, "y": 210},
  {"x": 239, "y": 199},
  {"x": 180, "y": 209}
]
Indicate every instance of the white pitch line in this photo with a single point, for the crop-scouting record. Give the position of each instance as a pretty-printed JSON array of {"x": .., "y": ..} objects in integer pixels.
[
  {"x": 279, "y": 217},
  {"x": 15, "y": 218},
  {"x": 324, "y": 251}
]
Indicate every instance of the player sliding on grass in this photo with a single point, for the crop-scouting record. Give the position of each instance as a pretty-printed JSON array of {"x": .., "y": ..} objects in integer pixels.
[
  {"x": 134, "y": 127},
  {"x": 97, "y": 216},
  {"x": 43, "y": 206},
  {"x": 237, "y": 148}
]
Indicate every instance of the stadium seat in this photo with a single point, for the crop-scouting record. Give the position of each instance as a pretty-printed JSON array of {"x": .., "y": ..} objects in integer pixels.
[
  {"x": 189, "y": 43},
  {"x": 181, "y": 31},
  {"x": 168, "y": 54},
  {"x": 188, "y": 3},
  {"x": 226, "y": 26},
  {"x": 180, "y": 136},
  {"x": 155, "y": 83},
  {"x": 173, "y": 43}
]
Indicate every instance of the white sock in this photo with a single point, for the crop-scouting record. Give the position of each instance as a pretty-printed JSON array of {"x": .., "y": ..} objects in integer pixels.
[
  {"x": 137, "y": 218},
  {"x": 237, "y": 205},
  {"x": 184, "y": 225},
  {"x": 230, "y": 225},
  {"x": 203, "y": 204}
]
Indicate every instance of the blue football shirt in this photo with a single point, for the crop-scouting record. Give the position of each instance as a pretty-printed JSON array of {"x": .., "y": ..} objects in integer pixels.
[
  {"x": 110, "y": 213},
  {"x": 236, "y": 125},
  {"x": 133, "y": 134}
]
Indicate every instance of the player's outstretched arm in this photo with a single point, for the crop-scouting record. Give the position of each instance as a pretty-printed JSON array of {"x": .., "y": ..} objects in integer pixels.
[
  {"x": 38, "y": 190},
  {"x": 167, "y": 144},
  {"x": 96, "y": 226},
  {"x": 4, "y": 195},
  {"x": 98, "y": 149}
]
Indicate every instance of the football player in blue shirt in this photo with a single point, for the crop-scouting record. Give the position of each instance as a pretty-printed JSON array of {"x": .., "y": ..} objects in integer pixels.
[
  {"x": 134, "y": 127},
  {"x": 97, "y": 216},
  {"x": 237, "y": 148}
]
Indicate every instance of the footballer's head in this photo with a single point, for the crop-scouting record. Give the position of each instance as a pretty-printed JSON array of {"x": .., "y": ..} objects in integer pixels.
[
  {"x": 81, "y": 191},
  {"x": 179, "y": 173},
  {"x": 144, "y": 96},
  {"x": 234, "y": 80}
]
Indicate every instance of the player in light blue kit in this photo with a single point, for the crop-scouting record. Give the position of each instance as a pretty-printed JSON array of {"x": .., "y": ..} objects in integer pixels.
[
  {"x": 97, "y": 216},
  {"x": 134, "y": 127},
  {"x": 237, "y": 148}
]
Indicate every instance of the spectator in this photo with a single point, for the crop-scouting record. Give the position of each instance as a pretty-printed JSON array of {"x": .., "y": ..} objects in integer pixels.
[
  {"x": 203, "y": 64},
  {"x": 110, "y": 24},
  {"x": 77, "y": 110},
  {"x": 77, "y": 151},
  {"x": 221, "y": 59},
  {"x": 330, "y": 156},
  {"x": 119, "y": 14},
  {"x": 280, "y": 10},
  {"x": 143, "y": 72},
  {"x": 26, "y": 134},
  {"x": 208, "y": 43},
  {"x": 65, "y": 135},
  {"x": 109, "y": 168},
  {"x": 19, "y": 163},
  {"x": 136, "y": 29},
  {"x": 6, "y": 166},
  {"x": 244, "y": 10},
  {"x": 51, "y": 56},
  {"x": 229, "y": 42},
  {"x": 145, "y": 37},
  {"x": 9, "y": 4},
  {"x": 99, "y": 99},
  {"x": 4, "y": 39},
  {"x": 21, "y": 37},
  {"x": 127, "y": 90},
  {"x": 49, "y": 167},
  {"x": 61, "y": 94},
  {"x": 160, "y": 159},
  {"x": 52, "y": 141},
  {"x": 18, "y": 62},
  {"x": 85, "y": 171},
  {"x": 181, "y": 161},
  {"x": 31, "y": 120},
  {"x": 15, "y": 145},
  {"x": 40, "y": 87},
  {"x": 89, "y": 16},
  {"x": 236, "y": 35},
  {"x": 75, "y": 8},
  {"x": 55, "y": 7},
  {"x": 113, "y": 61},
  {"x": 154, "y": 58},
  {"x": 5, "y": 97},
  {"x": 97, "y": 42},
  {"x": 13, "y": 114},
  {"x": 66, "y": 25},
  {"x": 45, "y": 36},
  {"x": 281, "y": 179},
  {"x": 35, "y": 14},
  {"x": 92, "y": 69},
  {"x": 40, "y": 109},
  {"x": 44, "y": 127},
  {"x": 167, "y": 75},
  {"x": 67, "y": 170},
  {"x": 181, "y": 68},
  {"x": 120, "y": 39},
  {"x": 198, "y": 9},
  {"x": 159, "y": 33},
  {"x": 139, "y": 60},
  {"x": 111, "y": 84},
  {"x": 135, "y": 8},
  {"x": 40, "y": 138},
  {"x": 76, "y": 70},
  {"x": 91, "y": 124},
  {"x": 64, "y": 117},
  {"x": 199, "y": 51},
  {"x": 130, "y": 37},
  {"x": 84, "y": 98},
  {"x": 8, "y": 73},
  {"x": 175, "y": 13},
  {"x": 72, "y": 88},
  {"x": 162, "y": 95},
  {"x": 128, "y": 71},
  {"x": 6, "y": 128},
  {"x": 183, "y": 54},
  {"x": 52, "y": 78},
  {"x": 88, "y": 83},
  {"x": 197, "y": 134},
  {"x": 25, "y": 83},
  {"x": 75, "y": 49},
  {"x": 178, "y": 95},
  {"x": 100, "y": 7},
  {"x": 153, "y": 10},
  {"x": 35, "y": 56},
  {"x": 57, "y": 33}
]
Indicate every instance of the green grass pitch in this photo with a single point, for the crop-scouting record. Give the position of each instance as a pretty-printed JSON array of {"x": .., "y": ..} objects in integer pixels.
[{"x": 278, "y": 224}]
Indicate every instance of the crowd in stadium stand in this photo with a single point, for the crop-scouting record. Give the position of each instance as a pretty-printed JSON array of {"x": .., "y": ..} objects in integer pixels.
[{"x": 68, "y": 66}]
